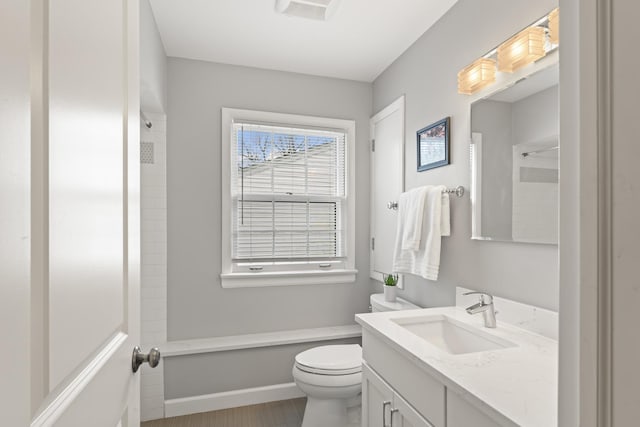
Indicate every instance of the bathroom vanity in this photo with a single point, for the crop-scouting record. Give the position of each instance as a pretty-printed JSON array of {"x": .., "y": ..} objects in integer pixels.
[{"x": 441, "y": 367}]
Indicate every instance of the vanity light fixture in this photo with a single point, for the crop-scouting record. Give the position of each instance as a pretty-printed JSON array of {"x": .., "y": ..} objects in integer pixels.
[
  {"x": 480, "y": 74},
  {"x": 522, "y": 49},
  {"x": 528, "y": 46},
  {"x": 554, "y": 26}
]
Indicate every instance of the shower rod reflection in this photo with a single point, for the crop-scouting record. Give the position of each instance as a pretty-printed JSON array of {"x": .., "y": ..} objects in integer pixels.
[{"x": 542, "y": 150}]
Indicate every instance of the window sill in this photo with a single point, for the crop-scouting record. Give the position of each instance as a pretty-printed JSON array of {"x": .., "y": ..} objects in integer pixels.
[{"x": 287, "y": 278}]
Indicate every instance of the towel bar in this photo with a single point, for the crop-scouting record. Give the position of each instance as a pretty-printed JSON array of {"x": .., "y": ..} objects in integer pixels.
[{"x": 458, "y": 191}]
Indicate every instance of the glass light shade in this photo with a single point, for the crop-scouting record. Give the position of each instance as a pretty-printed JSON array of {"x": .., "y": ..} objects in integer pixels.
[
  {"x": 524, "y": 48},
  {"x": 554, "y": 26},
  {"x": 480, "y": 74}
]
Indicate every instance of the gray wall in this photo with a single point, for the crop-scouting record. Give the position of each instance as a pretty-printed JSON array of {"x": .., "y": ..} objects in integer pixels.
[
  {"x": 426, "y": 74},
  {"x": 153, "y": 63},
  {"x": 198, "y": 306},
  {"x": 536, "y": 117},
  {"x": 199, "y": 374}
]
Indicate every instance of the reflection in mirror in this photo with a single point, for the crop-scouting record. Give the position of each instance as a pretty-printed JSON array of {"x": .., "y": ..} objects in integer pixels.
[{"x": 515, "y": 161}]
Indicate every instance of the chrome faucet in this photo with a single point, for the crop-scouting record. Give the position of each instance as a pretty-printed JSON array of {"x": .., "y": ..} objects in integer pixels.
[{"x": 486, "y": 308}]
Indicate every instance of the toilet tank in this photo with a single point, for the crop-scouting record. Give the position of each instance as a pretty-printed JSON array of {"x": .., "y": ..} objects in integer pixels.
[{"x": 379, "y": 304}]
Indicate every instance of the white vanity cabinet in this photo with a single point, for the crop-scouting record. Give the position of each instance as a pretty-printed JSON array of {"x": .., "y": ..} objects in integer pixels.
[
  {"x": 398, "y": 393},
  {"x": 428, "y": 383},
  {"x": 383, "y": 407},
  {"x": 417, "y": 398}
]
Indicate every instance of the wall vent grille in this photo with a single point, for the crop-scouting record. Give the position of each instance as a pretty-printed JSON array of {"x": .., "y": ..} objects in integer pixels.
[{"x": 146, "y": 153}]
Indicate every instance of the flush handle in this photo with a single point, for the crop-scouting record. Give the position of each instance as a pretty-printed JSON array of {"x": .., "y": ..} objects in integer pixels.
[{"x": 138, "y": 358}]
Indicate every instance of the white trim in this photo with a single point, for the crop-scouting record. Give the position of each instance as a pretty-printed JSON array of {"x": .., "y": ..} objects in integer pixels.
[
  {"x": 54, "y": 409},
  {"x": 230, "y": 399},
  {"x": 286, "y": 278},
  {"x": 476, "y": 186},
  {"x": 258, "y": 279},
  {"x": 265, "y": 339},
  {"x": 397, "y": 105}
]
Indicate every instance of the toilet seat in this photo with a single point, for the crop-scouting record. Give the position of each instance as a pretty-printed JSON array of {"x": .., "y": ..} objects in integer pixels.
[{"x": 331, "y": 360}]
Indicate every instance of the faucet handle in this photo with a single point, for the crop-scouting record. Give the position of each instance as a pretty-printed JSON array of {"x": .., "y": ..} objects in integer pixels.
[{"x": 482, "y": 295}]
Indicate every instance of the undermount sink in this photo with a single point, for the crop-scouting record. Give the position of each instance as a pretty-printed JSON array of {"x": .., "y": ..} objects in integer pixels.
[{"x": 450, "y": 335}]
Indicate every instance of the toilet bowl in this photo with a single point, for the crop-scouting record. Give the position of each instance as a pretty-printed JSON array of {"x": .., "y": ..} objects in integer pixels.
[{"x": 331, "y": 377}]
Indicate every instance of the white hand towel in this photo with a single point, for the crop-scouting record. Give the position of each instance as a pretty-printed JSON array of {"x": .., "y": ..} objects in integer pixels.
[
  {"x": 410, "y": 214},
  {"x": 425, "y": 260},
  {"x": 445, "y": 220}
]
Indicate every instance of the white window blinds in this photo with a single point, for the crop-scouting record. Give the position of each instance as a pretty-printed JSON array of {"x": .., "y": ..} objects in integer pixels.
[{"x": 288, "y": 193}]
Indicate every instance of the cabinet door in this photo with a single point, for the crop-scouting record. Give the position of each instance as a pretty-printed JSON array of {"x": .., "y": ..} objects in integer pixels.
[
  {"x": 461, "y": 413},
  {"x": 405, "y": 416},
  {"x": 377, "y": 399}
]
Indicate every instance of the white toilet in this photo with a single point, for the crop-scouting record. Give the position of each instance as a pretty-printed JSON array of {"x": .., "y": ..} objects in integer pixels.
[{"x": 331, "y": 376}]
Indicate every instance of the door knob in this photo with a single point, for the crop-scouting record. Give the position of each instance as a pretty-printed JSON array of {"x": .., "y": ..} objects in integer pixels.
[
  {"x": 392, "y": 205},
  {"x": 138, "y": 358}
]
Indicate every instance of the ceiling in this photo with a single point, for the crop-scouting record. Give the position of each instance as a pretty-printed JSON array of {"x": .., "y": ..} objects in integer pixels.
[{"x": 358, "y": 42}]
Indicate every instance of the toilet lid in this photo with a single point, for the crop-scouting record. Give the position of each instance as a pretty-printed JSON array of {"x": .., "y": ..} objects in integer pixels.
[{"x": 331, "y": 360}]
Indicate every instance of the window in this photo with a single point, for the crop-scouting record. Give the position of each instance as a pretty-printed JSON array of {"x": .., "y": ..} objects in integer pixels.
[{"x": 287, "y": 199}]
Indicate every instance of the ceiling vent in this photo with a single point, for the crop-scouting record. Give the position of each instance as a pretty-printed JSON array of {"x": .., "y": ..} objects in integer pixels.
[{"x": 320, "y": 10}]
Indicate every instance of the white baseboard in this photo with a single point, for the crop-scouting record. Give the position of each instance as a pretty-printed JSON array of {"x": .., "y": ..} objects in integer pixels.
[{"x": 230, "y": 399}]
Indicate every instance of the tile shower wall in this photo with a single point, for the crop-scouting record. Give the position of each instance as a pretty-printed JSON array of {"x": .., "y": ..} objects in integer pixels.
[{"x": 154, "y": 259}]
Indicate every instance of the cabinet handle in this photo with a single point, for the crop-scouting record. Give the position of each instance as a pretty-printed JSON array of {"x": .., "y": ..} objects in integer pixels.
[
  {"x": 393, "y": 411},
  {"x": 384, "y": 412}
]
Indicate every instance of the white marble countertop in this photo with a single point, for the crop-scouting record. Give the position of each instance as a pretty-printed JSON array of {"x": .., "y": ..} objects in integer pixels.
[{"x": 519, "y": 383}]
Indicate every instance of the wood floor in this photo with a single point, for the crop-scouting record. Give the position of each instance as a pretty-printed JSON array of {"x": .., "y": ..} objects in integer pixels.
[{"x": 286, "y": 413}]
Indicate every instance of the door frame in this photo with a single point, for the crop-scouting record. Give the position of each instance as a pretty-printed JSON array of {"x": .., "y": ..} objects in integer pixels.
[
  {"x": 397, "y": 105},
  {"x": 586, "y": 282}
]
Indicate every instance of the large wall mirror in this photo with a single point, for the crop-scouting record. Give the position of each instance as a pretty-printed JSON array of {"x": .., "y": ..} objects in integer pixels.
[{"x": 514, "y": 160}]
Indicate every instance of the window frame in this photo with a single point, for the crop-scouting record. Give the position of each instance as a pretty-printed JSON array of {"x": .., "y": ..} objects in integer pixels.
[{"x": 237, "y": 274}]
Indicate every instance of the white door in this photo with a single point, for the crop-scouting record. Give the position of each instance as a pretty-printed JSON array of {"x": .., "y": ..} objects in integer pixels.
[
  {"x": 387, "y": 182},
  {"x": 78, "y": 246}
]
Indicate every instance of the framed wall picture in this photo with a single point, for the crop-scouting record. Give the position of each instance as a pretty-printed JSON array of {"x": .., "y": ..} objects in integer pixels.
[{"x": 433, "y": 145}]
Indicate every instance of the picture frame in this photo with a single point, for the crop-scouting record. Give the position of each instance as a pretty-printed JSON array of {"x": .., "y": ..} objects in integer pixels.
[{"x": 433, "y": 145}]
